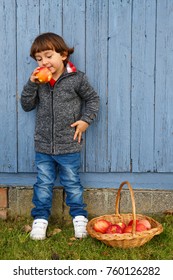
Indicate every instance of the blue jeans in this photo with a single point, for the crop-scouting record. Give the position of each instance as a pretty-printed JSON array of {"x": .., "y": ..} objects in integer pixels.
[{"x": 68, "y": 166}]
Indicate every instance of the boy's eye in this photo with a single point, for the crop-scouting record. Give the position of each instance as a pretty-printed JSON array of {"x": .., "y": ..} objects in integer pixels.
[
  {"x": 38, "y": 59},
  {"x": 49, "y": 56}
]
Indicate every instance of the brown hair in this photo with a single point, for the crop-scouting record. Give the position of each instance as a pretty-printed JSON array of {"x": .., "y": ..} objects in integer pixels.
[{"x": 50, "y": 41}]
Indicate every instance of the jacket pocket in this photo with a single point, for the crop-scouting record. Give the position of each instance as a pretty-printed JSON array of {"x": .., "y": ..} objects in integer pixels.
[
  {"x": 42, "y": 135},
  {"x": 65, "y": 136}
]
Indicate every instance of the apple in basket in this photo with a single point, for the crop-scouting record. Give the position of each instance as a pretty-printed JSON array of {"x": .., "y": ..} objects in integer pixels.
[
  {"x": 128, "y": 229},
  {"x": 139, "y": 228},
  {"x": 131, "y": 222},
  {"x": 101, "y": 225},
  {"x": 145, "y": 222},
  {"x": 122, "y": 225},
  {"x": 44, "y": 75},
  {"x": 114, "y": 229}
]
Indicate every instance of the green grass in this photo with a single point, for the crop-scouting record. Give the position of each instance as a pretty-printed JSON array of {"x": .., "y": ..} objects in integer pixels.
[{"x": 15, "y": 244}]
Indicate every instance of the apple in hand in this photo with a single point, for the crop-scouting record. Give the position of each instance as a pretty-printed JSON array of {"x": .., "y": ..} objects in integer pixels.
[
  {"x": 145, "y": 222},
  {"x": 44, "y": 75},
  {"x": 101, "y": 225},
  {"x": 114, "y": 229}
]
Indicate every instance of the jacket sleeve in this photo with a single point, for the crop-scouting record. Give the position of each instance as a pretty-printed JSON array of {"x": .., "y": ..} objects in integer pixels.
[
  {"x": 91, "y": 98},
  {"x": 29, "y": 96}
]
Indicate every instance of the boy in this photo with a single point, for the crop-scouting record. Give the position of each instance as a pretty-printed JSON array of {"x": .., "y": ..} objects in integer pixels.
[{"x": 60, "y": 122}]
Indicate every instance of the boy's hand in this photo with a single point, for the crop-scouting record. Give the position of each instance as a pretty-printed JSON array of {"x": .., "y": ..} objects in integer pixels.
[
  {"x": 81, "y": 126},
  {"x": 33, "y": 77}
]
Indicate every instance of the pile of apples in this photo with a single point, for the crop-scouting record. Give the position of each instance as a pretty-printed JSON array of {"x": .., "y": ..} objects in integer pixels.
[{"x": 106, "y": 227}]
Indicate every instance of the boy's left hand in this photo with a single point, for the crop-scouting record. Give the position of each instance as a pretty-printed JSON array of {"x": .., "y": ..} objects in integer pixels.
[{"x": 81, "y": 126}]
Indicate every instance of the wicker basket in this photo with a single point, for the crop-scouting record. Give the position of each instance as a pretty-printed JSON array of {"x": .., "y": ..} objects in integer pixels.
[{"x": 125, "y": 240}]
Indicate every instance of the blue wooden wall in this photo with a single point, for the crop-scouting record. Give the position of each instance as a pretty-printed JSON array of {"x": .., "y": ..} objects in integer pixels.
[{"x": 126, "y": 49}]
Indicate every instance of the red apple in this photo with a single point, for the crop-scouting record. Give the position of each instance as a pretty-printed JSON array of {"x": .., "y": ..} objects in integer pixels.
[
  {"x": 101, "y": 225},
  {"x": 131, "y": 222},
  {"x": 114, "y": 229},
  {"x": 128, "y": 229},
  {"x": 146, "y": 223},
  {"x": 122, "y": 225},
  {"x": 140, "y": 227},
  {"x": 44, "y": 75}
]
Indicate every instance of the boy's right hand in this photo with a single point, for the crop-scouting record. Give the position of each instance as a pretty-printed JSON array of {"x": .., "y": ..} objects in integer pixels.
[{"x": 33, "y": 77}]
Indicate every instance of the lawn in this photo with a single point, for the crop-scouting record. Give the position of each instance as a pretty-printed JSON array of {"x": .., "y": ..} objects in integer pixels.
[{"x": 15, "y": 244}]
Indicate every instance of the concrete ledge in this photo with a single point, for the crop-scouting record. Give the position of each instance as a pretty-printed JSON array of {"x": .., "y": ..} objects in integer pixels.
[
  {"x": 20, "y": 202},
  {"x": 17, "y": 201}
]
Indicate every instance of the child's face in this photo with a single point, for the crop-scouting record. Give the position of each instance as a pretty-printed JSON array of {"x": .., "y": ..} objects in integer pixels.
[{"x": 52, "y": 60}]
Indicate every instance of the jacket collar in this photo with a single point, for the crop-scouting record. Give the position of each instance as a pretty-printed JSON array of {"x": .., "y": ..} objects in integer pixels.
[{"x": 70, "y": 67}]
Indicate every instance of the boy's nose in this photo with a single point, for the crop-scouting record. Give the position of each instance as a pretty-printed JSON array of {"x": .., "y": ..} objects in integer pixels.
[{"x": 44, "y": 61}]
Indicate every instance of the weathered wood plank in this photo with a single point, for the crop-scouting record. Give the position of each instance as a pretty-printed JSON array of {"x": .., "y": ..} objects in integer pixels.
[
  {"x": 96, "y": 70},
  {"x": 143, "y": 67},
  {"x": 74, "y": 30},
  {"x": 119, "y": 82},
  {"x": 8, "y": 112},
  {"x": 74, "y": 35},
  {"x": 27, "y": 30},
  {"x": 125, "y": 48},
  {"x": 51, "y": 16},
  {"x": 154, "y": 181},
  {"x": 164, "y": 88}
]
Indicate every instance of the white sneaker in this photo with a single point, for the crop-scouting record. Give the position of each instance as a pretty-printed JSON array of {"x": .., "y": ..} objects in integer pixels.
[
  {"x": 39, "y": 228},
  {"x": 80, "y": 223}
]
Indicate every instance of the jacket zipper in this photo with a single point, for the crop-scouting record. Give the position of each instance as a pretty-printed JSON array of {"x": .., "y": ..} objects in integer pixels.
[
  {"x": 51, "y": 91},
  {"x": 52, "y": 138}
]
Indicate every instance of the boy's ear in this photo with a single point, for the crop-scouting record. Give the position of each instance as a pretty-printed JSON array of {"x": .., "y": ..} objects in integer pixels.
[{"x": 64, "y": 55}]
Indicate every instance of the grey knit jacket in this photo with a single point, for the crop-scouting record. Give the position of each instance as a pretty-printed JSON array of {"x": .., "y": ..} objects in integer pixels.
[{"x": 58, "y": 108}]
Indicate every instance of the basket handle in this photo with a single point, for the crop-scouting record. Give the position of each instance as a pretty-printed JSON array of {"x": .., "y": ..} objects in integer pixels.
[{"x": 133, "y": 203}]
